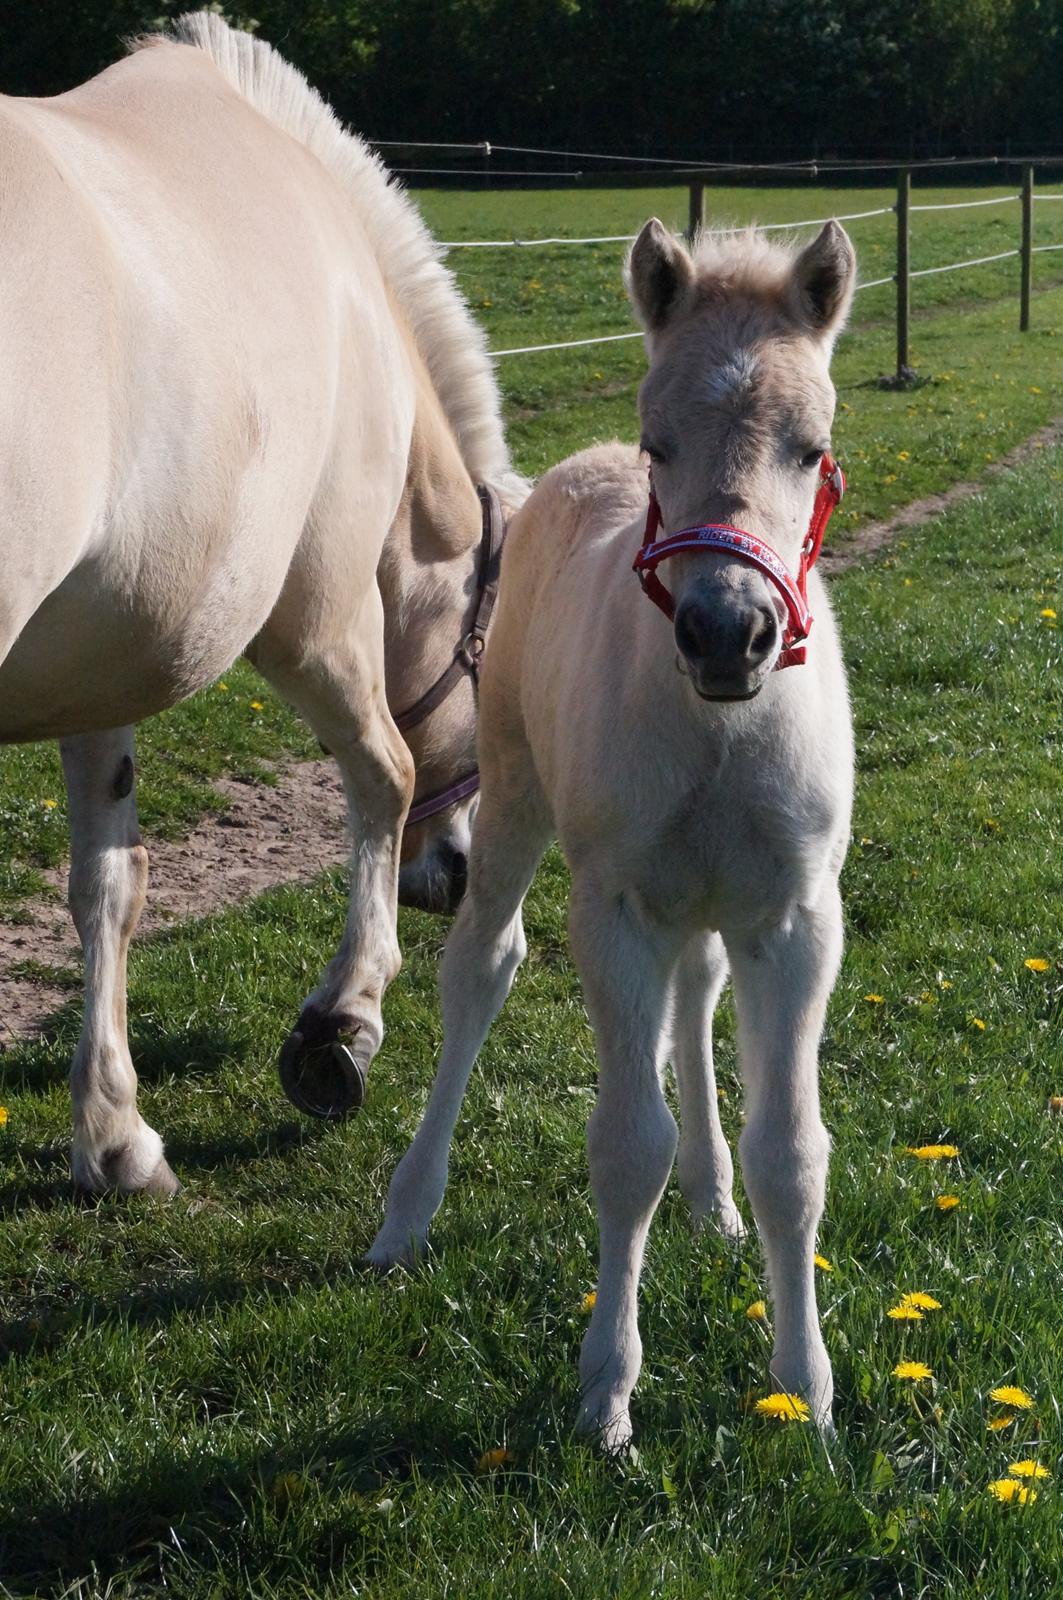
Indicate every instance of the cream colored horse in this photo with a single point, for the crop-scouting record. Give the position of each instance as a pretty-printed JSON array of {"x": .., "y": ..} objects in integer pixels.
[
  {"x": 704, "y": 813},
  {"x": 243, "y": 409}
]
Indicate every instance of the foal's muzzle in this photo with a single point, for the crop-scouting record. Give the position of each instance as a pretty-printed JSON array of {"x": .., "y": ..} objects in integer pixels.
[{"x": 727, "y": 651}]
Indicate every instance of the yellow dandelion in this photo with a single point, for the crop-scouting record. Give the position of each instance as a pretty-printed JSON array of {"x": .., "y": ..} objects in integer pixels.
[
  {"x": 925, "y": 1302},
  {"x": 875, "y": 999},
  {"x": 902, "y": 455},
  {"x": 3, "y": 1116},
  {"x": 1008, "y": 1489},
  {"x": 223, "y": 688},
  {"x": 823, "y": 1264},
  {"x": 946, "y": 1202},
  {"x": 589, "y": 1301},
  {"x": 1047, "y": 611},
  {"x": 932, "y": 1152},
  {"x": 1028, "y": 1469},
  {"x": 976, "y": 1022},
  {"x": 915, "y": 1370},
  {"x": 287, "y": 1487},
  {"x": 784, "y": 1407},
  {"x": 1036, "y": 964},
  {"x": 903, "y": 1313},
  {"x": 491, "y": 1460},
  {"x": 1055, "y": 1104},
  {"x": 1009, "y": 1395},
  {"x": 946, "y": 983},
  {"x": 757, "y": 1312},
  {"x": 991, "y": 825},
  {"x": 1034, "y": 389},
  {"x": 256, "y": 705},
  {"x": 996, "y": 1423},
  {"x": 49, "y": 805}
]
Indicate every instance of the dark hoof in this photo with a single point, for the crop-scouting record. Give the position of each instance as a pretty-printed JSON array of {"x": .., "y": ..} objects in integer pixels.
[{"x": 325, "y": 1080}]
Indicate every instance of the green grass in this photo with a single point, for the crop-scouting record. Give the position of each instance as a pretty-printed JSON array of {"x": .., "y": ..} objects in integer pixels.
[
  {"x": 985, "y": 387},
  {"x": 207, "y": 1399}
]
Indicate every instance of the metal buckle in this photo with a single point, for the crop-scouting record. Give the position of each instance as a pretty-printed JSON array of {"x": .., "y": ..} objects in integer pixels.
[{"x": 471, "y": 650}]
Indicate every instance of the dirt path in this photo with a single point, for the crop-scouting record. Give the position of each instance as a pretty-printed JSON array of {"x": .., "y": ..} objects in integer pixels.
[
  {"x": 271, "y": 836},
  {"x": 267, "y": 836},
  {"x": 877, "y": 535}
]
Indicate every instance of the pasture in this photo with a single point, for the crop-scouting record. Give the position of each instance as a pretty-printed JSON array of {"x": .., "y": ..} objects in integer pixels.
[{"x": 208, "y": 1398}]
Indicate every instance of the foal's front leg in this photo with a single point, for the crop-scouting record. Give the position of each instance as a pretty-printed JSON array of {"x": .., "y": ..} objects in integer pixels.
[
  {"x": 783, "y": 979},
  {"x": 625, "y": 966},
  {"x": 704, "y": 1165},
  {"x": 113, "y": 1146}
]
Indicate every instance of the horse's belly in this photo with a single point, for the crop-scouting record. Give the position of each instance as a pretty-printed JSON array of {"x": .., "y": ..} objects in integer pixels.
[{"x": 93, "y": 657}]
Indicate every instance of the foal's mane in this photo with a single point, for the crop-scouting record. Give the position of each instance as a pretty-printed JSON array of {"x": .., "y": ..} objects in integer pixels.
[{"x": 451, "y": 343}]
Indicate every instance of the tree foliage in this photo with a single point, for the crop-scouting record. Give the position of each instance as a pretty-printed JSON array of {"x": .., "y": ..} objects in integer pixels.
[{"x": 721, "y": 79}]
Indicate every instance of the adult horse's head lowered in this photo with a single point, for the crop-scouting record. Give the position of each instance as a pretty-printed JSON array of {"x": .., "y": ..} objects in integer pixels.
[
  {"x": 244, "y": 409},
  {"x": 736, "y": 412}
]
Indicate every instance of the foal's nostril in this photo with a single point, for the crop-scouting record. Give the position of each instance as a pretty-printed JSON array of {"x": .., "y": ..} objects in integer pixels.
[
  {"x": 691, "y": 632},
  {"x": 760, "y": 635}
]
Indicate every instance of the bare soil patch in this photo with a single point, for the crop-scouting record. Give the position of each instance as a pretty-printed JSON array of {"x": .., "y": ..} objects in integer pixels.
[{"x": 266, "y": 836}]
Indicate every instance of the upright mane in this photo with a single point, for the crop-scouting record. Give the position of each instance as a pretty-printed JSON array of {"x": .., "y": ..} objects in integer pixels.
[{"x": 451, "y": 343}]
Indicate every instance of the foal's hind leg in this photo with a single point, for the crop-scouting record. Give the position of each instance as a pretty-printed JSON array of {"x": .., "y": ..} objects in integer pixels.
[
  {"x": 484, "y": 950},
  {"x": 338, "y": 685},
  {"x": 783, "y": 980},
  {"x": 626, "y": 967},
  {"x": 113, "y": 1147},
  {"x": 704, "y": 1165}
]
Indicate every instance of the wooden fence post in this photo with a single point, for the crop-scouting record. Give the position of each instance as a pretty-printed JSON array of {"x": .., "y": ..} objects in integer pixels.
[
  {"x": 1026, "y": 278},
  {"x": 696, "y": 214},
  {"x": 904, "y": 195}
]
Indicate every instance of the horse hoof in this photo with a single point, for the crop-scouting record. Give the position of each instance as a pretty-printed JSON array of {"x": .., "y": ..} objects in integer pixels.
[
  {"x": 326, "y": 1080},
  {"x": 163, "y": 1182}
]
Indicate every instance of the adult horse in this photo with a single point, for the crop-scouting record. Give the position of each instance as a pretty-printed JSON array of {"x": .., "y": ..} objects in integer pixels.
[{"x": 244, "y": 409}]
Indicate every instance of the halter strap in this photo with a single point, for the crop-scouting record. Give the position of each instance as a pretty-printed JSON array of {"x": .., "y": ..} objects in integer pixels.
[
  {"x": 466, "y": 659},
  {"x": 755, "y": 552}
]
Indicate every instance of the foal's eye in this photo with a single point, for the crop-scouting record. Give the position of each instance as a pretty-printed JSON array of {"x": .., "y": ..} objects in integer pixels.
[{"x": 812, "y": 458}]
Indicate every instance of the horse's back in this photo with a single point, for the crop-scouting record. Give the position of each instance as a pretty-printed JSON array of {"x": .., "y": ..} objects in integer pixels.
[{"x": 196, "y": 322}]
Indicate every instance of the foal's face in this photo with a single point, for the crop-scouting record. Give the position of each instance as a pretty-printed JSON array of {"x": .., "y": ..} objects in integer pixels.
[{"x": 736, "y": 414}]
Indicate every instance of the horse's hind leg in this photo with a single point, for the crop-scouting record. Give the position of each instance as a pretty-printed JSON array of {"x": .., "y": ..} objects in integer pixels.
[
  {"x": 338, "y": 685},
  {"x": 484, "y": 950},
  {"x": 704, "y": 1165},
  {"x": 113, "y": 1146}
]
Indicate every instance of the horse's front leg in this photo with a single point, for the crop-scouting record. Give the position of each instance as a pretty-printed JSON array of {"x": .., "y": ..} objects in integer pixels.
[
  {"x": 625, "y": 965},
  {"x": 337, "y": 683},
  {"x": 783, "y": 979},
  {"x": 113, "y": 1146}
]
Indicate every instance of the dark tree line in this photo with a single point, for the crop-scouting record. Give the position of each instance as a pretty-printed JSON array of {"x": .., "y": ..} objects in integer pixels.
[{"x": 724, "y": 79}]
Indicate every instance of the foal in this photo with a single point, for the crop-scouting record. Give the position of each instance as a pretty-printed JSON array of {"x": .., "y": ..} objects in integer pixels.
[{"x": 704, "y": 812}]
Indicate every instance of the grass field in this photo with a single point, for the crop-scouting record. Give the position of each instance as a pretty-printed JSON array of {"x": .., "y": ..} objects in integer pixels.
[{"x": 208, "y": 1399}]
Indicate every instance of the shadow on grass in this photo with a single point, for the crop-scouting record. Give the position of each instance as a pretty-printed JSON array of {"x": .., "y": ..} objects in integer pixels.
[{"x": 311, "y": 1505}]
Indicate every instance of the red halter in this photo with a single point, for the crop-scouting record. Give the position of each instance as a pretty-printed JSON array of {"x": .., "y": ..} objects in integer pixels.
[{"x": 755, "y": 552}]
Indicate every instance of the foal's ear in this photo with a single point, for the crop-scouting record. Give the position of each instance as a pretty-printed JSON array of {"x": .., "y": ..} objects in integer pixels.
[
  {"x": 658, "y": 274},
  {"x": 824, "y": 280}
]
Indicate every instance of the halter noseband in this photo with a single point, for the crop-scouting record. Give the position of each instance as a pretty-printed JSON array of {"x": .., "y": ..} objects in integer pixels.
[
  {"x": 466, "y": 660},
  {"x": 754, "y": 552}
]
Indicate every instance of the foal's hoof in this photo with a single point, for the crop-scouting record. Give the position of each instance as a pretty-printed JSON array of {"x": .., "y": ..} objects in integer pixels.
[{"x": 325, "y": 1080}]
